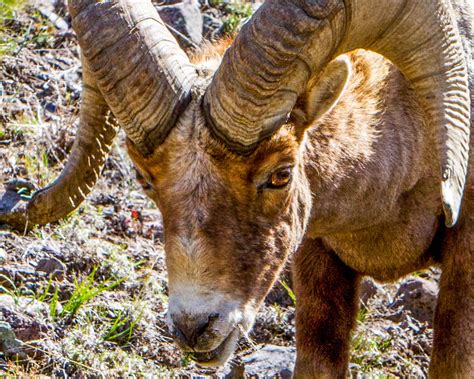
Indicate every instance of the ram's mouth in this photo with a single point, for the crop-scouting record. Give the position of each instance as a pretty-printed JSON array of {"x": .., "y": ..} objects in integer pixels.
[{"x": 220, "y": 354}]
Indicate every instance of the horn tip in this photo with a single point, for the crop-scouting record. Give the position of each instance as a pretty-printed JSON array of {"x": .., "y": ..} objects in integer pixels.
[{"x": 451, "y": 196}]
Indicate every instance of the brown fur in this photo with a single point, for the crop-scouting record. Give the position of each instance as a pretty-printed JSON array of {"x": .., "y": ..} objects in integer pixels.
[{"x": 364, "y": 200}]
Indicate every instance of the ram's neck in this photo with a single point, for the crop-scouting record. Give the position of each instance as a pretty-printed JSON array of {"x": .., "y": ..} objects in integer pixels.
[{"x": 368, "y": 151}]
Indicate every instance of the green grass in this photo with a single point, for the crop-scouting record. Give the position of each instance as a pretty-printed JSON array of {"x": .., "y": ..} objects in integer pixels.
[
  {"x": 290, "y": 292},
  {"x": 368, "y": 352},
  {"x": 85, "y": 291},
  {"x": 24, "y": 127},
  {"x": 361, "y": 315},
  {"x": 16, "y": 32},
  {"x": 8, "y": 9},
  {"x": 187, "y": 358},
  {"x": 12, "y": 290},
  {"x": 121, "y": 329},
  {"x": 37, "y": 165},
  {"x": 45, "y": 296},
  {"x": 236, "y": 13},
  {"x": 53, "y": 304}
]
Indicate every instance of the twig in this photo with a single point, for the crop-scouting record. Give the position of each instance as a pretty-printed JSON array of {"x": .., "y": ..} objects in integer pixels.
[
  {"x": 181, "y": 35},
  {"x": 59, "y": 356}
]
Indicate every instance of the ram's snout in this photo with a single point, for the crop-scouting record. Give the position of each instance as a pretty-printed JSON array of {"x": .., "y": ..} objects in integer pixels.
[
  {"x": 207, "y": 326},
  {"x": 199, "y": 335}
]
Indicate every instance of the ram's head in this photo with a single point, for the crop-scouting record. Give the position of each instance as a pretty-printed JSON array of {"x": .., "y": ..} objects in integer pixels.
[{"x": 222, "y": 153}]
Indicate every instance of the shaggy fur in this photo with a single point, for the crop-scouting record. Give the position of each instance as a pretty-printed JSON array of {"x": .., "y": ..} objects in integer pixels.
[{"x": 363, "y": 200}]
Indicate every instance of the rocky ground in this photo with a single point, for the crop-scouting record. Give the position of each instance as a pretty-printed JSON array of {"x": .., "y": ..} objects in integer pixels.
[{"x": 87, "y": 296}]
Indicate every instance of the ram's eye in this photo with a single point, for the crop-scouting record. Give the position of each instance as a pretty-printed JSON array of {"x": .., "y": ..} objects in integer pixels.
[{"x": 280, "y": 178}]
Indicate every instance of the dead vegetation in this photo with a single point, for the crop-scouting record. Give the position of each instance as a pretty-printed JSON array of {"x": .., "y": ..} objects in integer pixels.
[{"x": 87, "y": 296}]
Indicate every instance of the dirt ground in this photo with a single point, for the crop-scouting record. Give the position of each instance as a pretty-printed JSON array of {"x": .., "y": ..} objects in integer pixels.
[{"x": 87, "y": 296}]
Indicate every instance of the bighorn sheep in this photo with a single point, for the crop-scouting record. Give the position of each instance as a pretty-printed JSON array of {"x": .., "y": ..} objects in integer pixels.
[{"x": 289, "y": 146}]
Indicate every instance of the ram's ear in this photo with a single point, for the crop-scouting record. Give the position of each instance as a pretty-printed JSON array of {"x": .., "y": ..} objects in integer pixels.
[{"x": 324, "y": 93}]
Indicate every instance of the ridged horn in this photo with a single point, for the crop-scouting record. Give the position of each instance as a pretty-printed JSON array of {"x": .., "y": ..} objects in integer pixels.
[
  {"x": 287, "y": 42},
  {"x": 144, "y": 76},
  {"x": 133, "y": 68}
]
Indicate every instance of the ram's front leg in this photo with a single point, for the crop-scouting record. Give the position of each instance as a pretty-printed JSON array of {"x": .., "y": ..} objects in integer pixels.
[
  {"x": 453, "y": 345},
  {"x": 326, "y": 291}
]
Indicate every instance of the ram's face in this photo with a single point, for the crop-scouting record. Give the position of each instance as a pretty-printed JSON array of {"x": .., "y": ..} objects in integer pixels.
[{"x": 230, "y": 222}]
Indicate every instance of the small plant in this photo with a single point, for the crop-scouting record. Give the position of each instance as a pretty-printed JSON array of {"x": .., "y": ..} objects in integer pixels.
[
  {"x": 361, "y": 315},
  {"x": 367, "y": 351},
  {"x": 45, "y": 293},
  {"x": 53, "y": 304},
  {"x": 22, "y": 127},
  {"x": 290, "y": 292},
  {"x": 85, "y": 291},
  {"x": 3, "y": 133},
  {"x": 8, "y": 9},
  {"x": 215, "y": 3},
  {"x": 187, "y": 359},
  {"x": 12, "y": 290},
  {"x": 236, "y": 14},
  {"x": 122, "y": 328},
  {"x": 37, "y": 165},
  {"x": 52, "y": 299}
]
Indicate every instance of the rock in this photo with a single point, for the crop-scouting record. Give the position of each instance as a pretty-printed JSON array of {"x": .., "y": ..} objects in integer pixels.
[
  {"x": 184, "y": 20},
  {"x": 8, "y": 342},
  {"x": 166, "y": 2},
  {"x": 28, "y": 318},
  {"x": 12, "y": 276},
  {"x": 274, "y": 321},
  {"x": 237, "y": 371},
  {"x": 368, "y": 289},
  {"x": 270, "y": 361},
  {"x": 211, "y": 27},
  {"x": 58, "y": 6},
  {"x": 56, "y": 20},
  {"x": 72, "y": 79},
  {"x": 12, "y": 205},
  {"x": 52, "y": 266},
  {"x": 51, "y": 107},
  {"x": 418, "y": 296}
]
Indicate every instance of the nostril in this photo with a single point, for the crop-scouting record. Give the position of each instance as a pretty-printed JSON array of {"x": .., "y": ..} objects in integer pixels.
[
  {"x": 213, "y": 317},
  {"x": 189, "y": 331},
  {"x": 201, "y": 330},
  {"x": 205, "y": 326}
]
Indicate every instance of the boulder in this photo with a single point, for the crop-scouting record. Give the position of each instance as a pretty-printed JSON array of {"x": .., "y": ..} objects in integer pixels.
[
  {"x": 12, "y": 276},
  {"x": 28, "y": 318},
  {"x": 418, "y": 296},
  {"x": 270, "y": 361},
  {"x": 368, "y": 289},
  {"x": 211, "y": 27},
  {"x": 52, "y": 266},
  {"x": 184, "y": 20},
  {"x": 9, "y": 345}
]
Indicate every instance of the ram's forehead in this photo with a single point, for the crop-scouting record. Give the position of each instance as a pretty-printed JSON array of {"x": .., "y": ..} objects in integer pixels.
[{"x": 194, "y": 163}]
